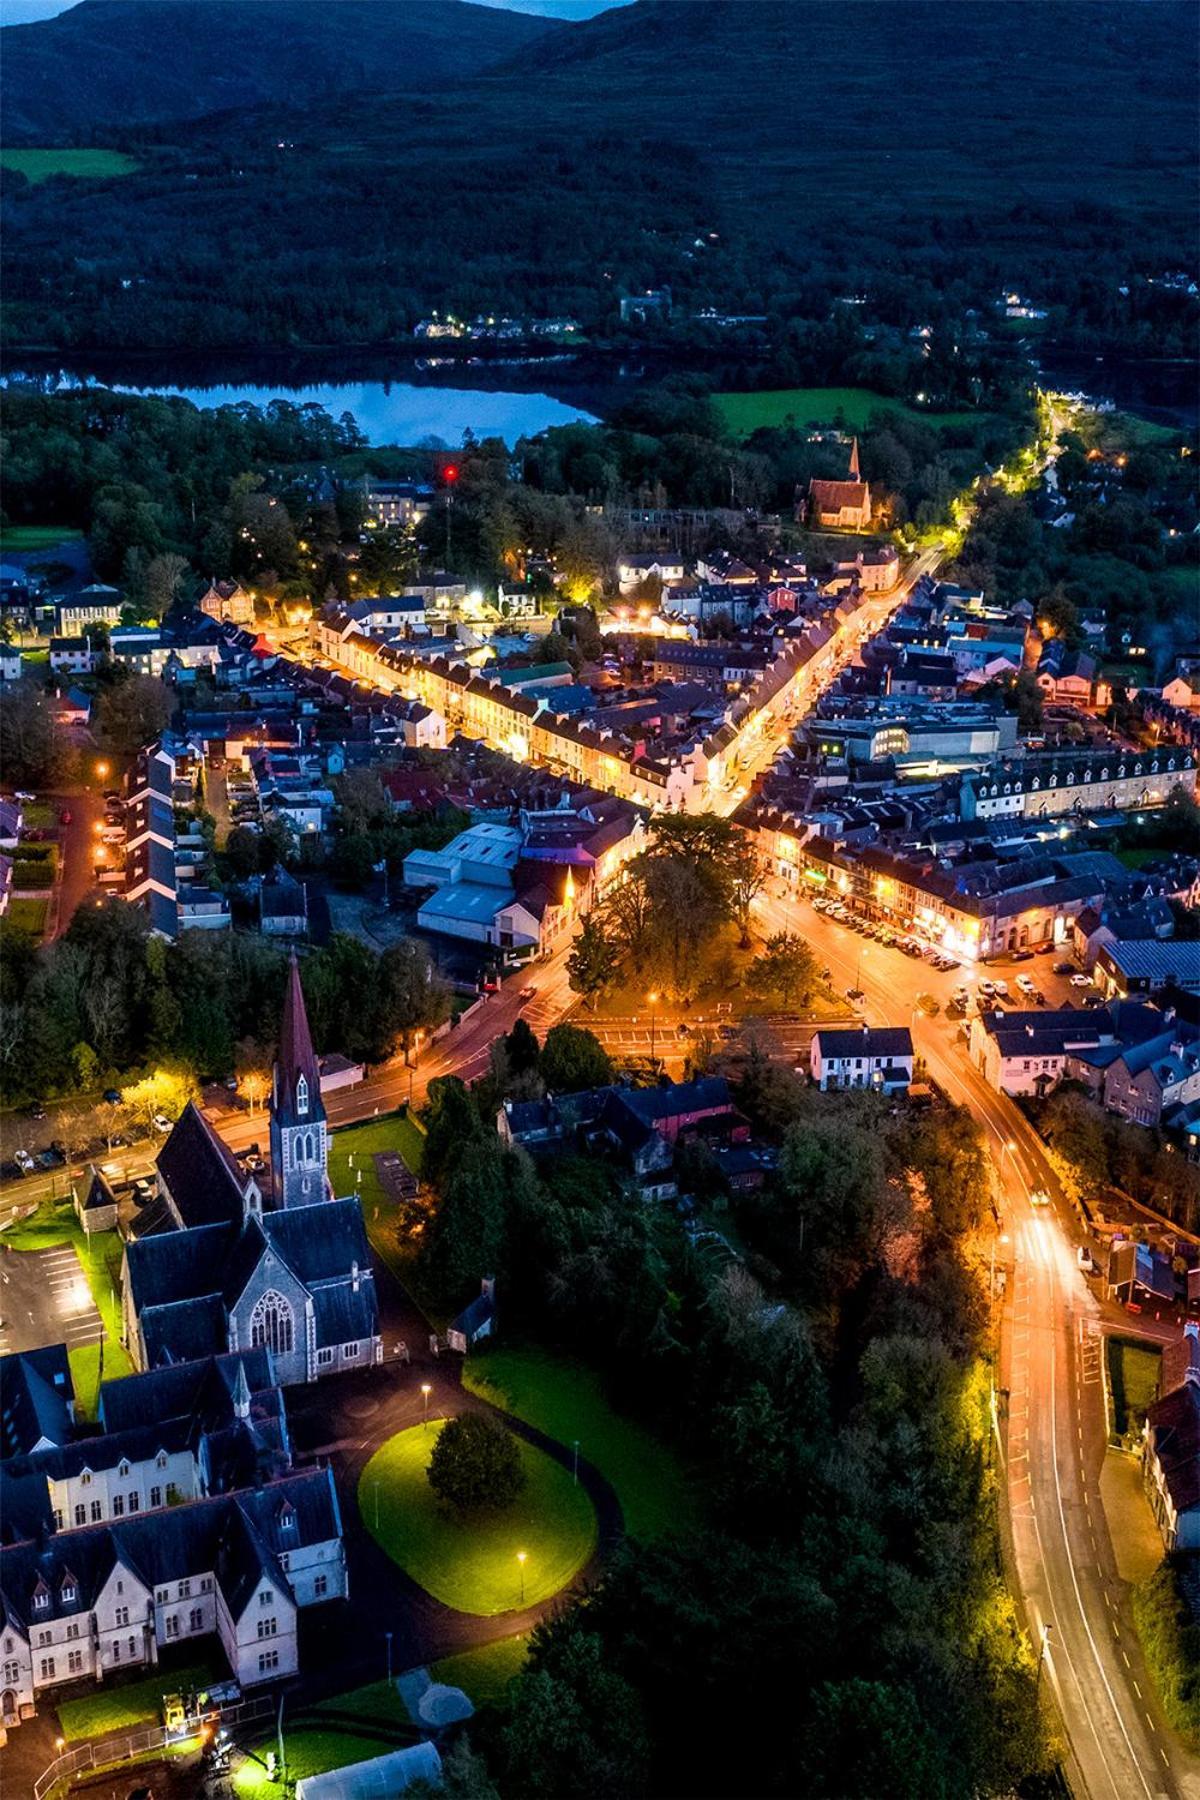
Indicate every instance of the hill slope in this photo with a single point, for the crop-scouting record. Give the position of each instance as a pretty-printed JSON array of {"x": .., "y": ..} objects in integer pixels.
[{"x": 124, "y": 63}]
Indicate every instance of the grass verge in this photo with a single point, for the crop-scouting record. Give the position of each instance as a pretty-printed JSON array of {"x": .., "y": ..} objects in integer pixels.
[
  {"x": 566, "y": 1401},
  {"x": 471, "y": 1564},
  {"x": 484, "y": 1674},
  {"x": 1170, "y": 1638},
  {"x": 122, "y": 1708},
  {"x": 28, "y": 916}
]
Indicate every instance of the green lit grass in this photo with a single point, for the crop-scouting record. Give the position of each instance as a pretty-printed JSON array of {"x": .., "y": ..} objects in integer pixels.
[
  {"x": 38, "y": 816},
  {"x": 28, "y": 916},
  {"x": 362, "y": 1142},
  {"x": 484, "y": 1674},
  {"x": 120, "y": 1708},
  {"x": 308, "y": 1753},
  {"x": 748, "y": 412},
  {"x": 1134, "y": 1370},
  {"x": 35, "y": 537},
  {"x": 471, "y": 1564},
  {"x": 40, "y": 165},
  {"x": 566, "y": 1401}
]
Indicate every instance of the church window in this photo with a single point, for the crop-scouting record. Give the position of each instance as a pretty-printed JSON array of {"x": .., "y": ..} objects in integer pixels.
[
  {"x": 301, "y": 1095},
  {"x": 271, "y": 1324}
]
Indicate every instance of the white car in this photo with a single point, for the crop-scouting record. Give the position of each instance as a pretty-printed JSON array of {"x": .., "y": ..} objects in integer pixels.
[
  {"x": 23, "y": 1161},
  {"x": 1039, "y": 1197},
  {"x": 1026, "y": 985},
  {"x": 23, "y": 797},
  {"x": 1001, "y": 988},
  {"x": 1081, "y": 981},
  {"x": 162, "y": 1123},
  {"x": 987, "y": 988}
]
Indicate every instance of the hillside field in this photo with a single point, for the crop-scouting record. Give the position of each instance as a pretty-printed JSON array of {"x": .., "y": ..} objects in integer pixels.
[
  {"x": 40, "y": 165},
  {"x": 746, "y": 413}
]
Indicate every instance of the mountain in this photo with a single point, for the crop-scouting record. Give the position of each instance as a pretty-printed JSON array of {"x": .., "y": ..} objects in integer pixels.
[{"x": 109, "y": 64}]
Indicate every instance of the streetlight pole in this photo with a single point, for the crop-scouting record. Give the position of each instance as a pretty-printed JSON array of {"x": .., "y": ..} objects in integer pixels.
[
  {"x": 521, "y": 1561},
  {"x": 425, "y": 1392},
  {"x": 653, "y": 1000},
  {"x": 388, "y": 1636},
  {"x": 575, "y": 1469}
]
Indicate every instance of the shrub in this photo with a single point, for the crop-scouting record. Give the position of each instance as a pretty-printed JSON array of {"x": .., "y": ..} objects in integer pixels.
[
  {"x": 1171, "y": 1644},
  {"x": 476, "y": 1464}
]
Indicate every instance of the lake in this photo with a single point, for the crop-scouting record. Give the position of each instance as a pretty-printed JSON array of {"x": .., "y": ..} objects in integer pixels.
[{"x": 388, "y": 412}]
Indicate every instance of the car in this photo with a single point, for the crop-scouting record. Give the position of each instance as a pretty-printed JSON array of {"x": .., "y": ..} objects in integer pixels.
[
  {"x": 1093, "y": 999},
  {"x": 231, "y": 1083},
  {"x": 855, "y": 995},
  {"x": 987, "y": 987},
  {"x": 1081, "y": 981},
  {"x": 23, "y": 1161},
  {"x": 1083, "y": 1257},
  {"x": 1039, "y": 1197},
  {"x": 1064, "y": 968},
  {"x": 1026, "y": 985},
  {"x": 26, "y": 799},
  {"x": 527, "y": 993},
  {"x": 113, "y": 1096},
  {"x": 928, "y": 1005},
  {"x": 161, "y": 1122},
  {"x": 1022, "y": 955},
  {"x": 36, "y": 1110},
  {"x": 726, "y": 1032},
  {"x": 1046, "y": 949},
  {"x": 1039, "y": 999},
  {"x": 120, "y": 1140},
  {"x": 1001, "y": 987},
  {"x": 143, "y": 1192}
]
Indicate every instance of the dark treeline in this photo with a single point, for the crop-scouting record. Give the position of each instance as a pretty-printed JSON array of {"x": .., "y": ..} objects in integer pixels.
[
  {"x": 829, "y": 1390},
  {"x": 109, "y": 999}
]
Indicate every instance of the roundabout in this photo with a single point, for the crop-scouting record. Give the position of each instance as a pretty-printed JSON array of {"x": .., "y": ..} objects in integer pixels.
[{"x": 485, "y": 1562}]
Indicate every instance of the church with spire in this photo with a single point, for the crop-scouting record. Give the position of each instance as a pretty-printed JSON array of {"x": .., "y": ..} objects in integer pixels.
[
  {"x": 840, "y": 505},
  {"x": 224, "y": 1259}
]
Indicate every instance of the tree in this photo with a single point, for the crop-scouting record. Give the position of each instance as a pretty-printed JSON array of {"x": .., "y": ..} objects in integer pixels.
[
  {"x": 785, "y": 971},
  {"x": 522, "y": 1050},
  {"x": 165, "y": 576},
  {"x": 747, "y": 874},
  {"x": 476, "y": 1464},
  {"x": 166, "y": 1092},
  {"x": 573, "y": 1059},
  {"x": 592, "y": 961},
  {"x": 131, "y": 714},
  {"x": 575, "y": 1726}
]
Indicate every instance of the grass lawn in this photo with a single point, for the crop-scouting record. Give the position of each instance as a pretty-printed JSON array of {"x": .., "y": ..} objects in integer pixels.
[
  {"x": 1134, "y": 859},
  {"x": 40, "y": 165},
  {"x": 1134, "y": 1369},
  {"x": 566, "y": 1401},
  {"x": 472, "y": 1564},
  {"x": 309, "y": 1752},
  {"x": 744, "y": 413},
  {"x": 354, "y": 1149},
  {"x": 120, "y": 1708},
  {"x": 484, "y": 1674},
  {"x": 38, "y": 816},
  {"x": 28, "y": 916},
  {"x": 35, "y": 537}
]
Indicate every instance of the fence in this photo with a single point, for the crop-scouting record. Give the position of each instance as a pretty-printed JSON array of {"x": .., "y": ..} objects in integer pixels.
[{"x": 101, "y": 1753}]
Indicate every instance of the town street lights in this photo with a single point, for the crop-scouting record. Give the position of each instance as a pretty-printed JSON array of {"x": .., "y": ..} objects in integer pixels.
[
  {"x": 575, "y": 1469},
  {"x": 653, "y": 1000},
  {"x": 521, "y": 1561},
  {"x": 425, "y": 1393}
]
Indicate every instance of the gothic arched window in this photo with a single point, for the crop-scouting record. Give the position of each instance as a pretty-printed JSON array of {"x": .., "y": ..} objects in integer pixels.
[
  {"x": 271, "y": 1324},
  {"x": 301, "y": 1096}
]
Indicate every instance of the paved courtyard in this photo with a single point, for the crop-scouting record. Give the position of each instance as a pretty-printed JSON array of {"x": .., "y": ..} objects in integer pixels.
[{"x": 45, "y": 1299}]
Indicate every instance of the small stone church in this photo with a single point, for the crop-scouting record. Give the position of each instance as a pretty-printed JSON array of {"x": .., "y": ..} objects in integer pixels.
[{"x": 229, "y": 1260}]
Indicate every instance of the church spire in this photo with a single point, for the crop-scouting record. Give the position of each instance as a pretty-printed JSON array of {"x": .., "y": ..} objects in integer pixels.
[
  {"x": 297, "y": 1079},
  {"x": 241, "y": 1393},
  {"x": 855, "y": 471}
]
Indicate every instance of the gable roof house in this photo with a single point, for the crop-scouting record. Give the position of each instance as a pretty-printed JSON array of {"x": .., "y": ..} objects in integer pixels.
[{"x": 1171, "y": 1447}]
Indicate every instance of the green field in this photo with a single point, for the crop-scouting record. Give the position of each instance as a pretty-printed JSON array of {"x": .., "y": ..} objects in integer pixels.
[
  {"x": 26, "y": 915},
  {"x": 351, "y": 1153},
  {"x": 472, "y": 1564},
  {"x": 309, "y": 1752},
  {"x": 120, "y": 1708},
  {"x": 566, "y": 1401},
  {"x": 744, "y": 413},
  {"x": 40, "y": 165},
  {"x": 484, "y": 1674},
  {"x": 35, "y": 537},
  {"x": 1133, "y": 1375}
]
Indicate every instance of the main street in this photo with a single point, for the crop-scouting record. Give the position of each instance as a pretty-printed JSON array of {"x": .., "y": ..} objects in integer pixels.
[{"x": 1050, "y": 1427}]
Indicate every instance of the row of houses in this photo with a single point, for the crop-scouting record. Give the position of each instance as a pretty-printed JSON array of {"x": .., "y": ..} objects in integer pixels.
[{"x": 1140, "y": 1061}]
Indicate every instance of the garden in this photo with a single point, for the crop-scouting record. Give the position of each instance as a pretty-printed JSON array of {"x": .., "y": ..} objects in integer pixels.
[
  {"x": 116, "y": 1708},
  {"x": 482, "y": 1560},
  {"x": 1134, "y": 1370}
]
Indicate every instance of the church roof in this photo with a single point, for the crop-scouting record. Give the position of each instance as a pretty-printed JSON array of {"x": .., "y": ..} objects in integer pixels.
[
  {"x": 200, "y": 1172},
  {"x": 296, "y": 1054},
  {"x": 176, "y": 1265},
  {"x": 319, "y": 1243}
]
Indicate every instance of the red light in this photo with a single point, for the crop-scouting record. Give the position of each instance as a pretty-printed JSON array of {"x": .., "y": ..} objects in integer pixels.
[{"x": 450, "y": 472}]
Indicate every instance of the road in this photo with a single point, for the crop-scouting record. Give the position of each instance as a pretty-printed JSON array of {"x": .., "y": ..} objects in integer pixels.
[{"x": 1051, "y": 1433}]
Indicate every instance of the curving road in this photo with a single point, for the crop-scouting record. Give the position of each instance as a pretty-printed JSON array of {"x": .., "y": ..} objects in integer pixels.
[{"x": 1050, "y": 1421}]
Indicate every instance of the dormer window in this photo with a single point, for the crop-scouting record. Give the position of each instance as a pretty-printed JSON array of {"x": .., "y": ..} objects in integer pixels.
[
  {"x": 69, "y": 1592},
  {"x": 123, "y": 1468},
  {"x": 160, "y": 1461},
  {"x": 301, "y": 1095},
  {"x": 41, "y": 1597},
  {"x": 287, "y": 1517}
]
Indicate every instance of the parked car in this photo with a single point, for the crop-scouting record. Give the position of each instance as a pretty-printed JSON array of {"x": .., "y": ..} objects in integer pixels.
[
  {"x": 1064, "y": 968},
  {"x": 928, "y": 1005},
  {"x": 23, "y": 1161},
  {"x": 23, "y": 797},
  {"x": 1022, "y": 955},
  {"x": 1026, "y": 985},
  {"x": 113, "y": 1096},
  {"x": 1081, "y": 981},
  {"x": 64, "y": 817},
  {"x": 1083, "y": 1257},
  {"x": 162, "y": 1123},
  {"x": 1046, "y": 949},
  {"x": 726, "y": 1032},
  {"x": 1001, "y": 987},
  {"x": 36, "y": 1110},
  {"x": 987, "y": 987}
]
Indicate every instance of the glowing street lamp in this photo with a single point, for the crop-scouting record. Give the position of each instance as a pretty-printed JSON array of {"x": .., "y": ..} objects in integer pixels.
[
  {"x": 426, "y": 1390},
  {"x": 521, "y": 1561},
  {"x": 652, "y": 998}
]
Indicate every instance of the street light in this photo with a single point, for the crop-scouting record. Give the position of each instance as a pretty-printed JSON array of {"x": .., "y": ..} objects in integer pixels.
[
  {"x": 426, "y": 1390},
  {"x": 521, "y": 1560},
  {"x": 653, "y": 1001}
]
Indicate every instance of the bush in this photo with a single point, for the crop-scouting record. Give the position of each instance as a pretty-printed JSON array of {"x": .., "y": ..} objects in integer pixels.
[
  {"x": 476, "y": 1464},
  {"x": 1171, "y": 1645}
]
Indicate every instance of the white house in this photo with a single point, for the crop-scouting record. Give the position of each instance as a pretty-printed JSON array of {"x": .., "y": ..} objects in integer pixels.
[
  {"x": 70, "y": 655},
  {"x": 876, "y": 1058},
  {"x": 633, "y": 570},
  {"x": 1171, "y": 1449}
]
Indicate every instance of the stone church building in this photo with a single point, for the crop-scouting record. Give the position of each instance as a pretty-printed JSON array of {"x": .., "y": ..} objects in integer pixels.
[{"x": 226, "y": 1260}]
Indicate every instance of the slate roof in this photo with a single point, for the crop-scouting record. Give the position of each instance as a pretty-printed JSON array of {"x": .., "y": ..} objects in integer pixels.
[
  {"x": 176, "y": 1265},
  {"x": 893, "y": 1042},
  {"x": 184, "y": 1331},
  {"x": 1174, "y": 1427},
  {"x": 200, "y": 1172},
  {"x": 320, "y": 1241},
  {"x": 36, "y": 1397},
  {"x": 201, "y": 1390},
  {"x": 342, "y": 1316},
  {"x": 652, "y": 1105}
]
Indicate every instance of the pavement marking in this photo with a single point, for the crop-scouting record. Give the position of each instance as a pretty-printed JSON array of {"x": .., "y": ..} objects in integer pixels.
[
  {"x": 1125, "y": 1654},
  {"x": 1164, "y": 1756},
  {"x": 1150, "y": 1723},
  {"x": 1137, "y": 1690}
]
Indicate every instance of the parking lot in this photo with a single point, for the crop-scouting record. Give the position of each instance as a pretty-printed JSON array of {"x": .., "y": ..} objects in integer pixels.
[{"x": 45, "y": 1299}]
